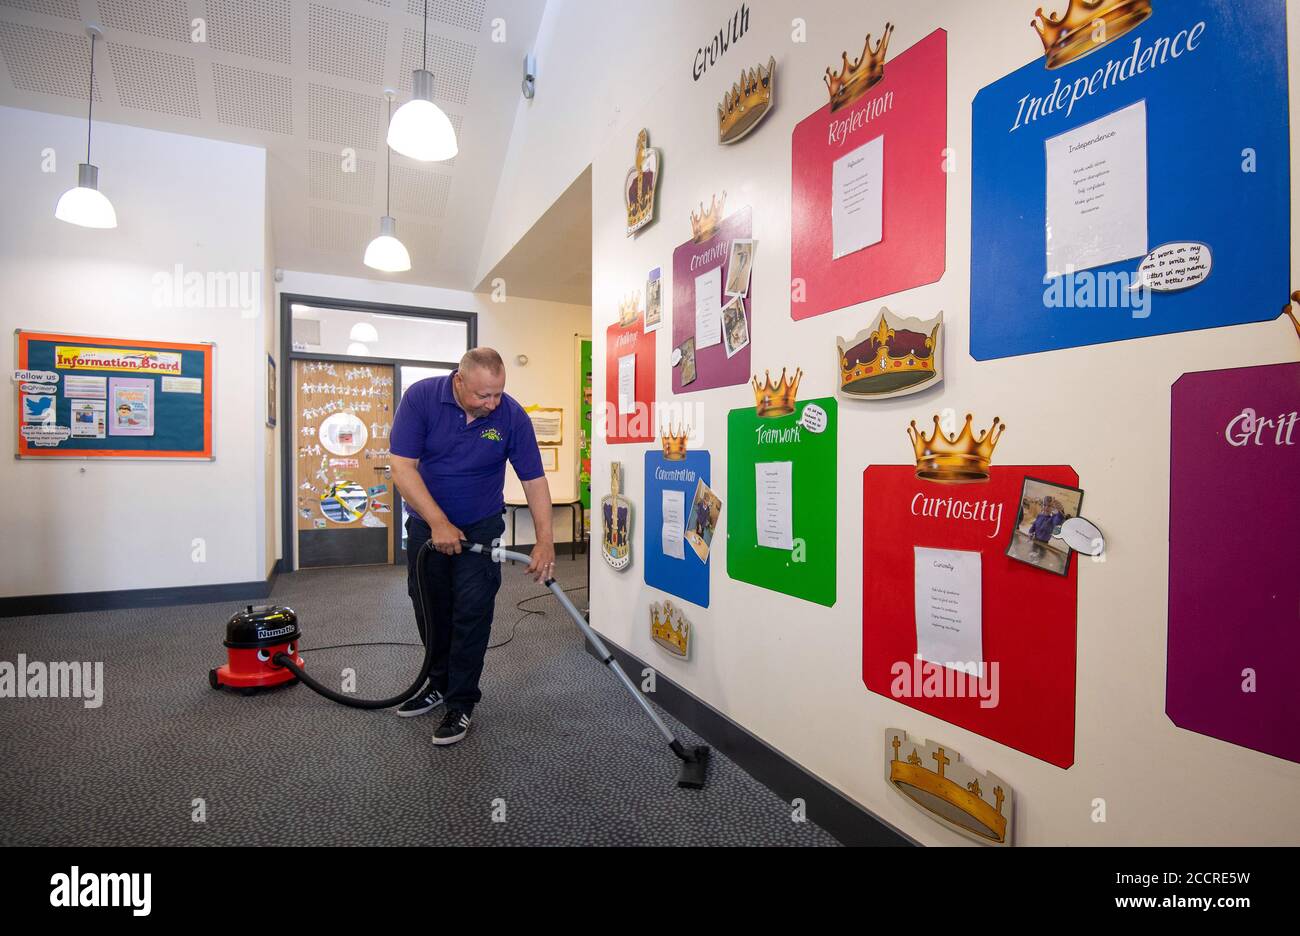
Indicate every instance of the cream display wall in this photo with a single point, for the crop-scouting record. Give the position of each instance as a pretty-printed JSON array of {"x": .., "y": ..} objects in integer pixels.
[
  {"x": 788, "y": 671},
  {"x": 118, "y": 524}
]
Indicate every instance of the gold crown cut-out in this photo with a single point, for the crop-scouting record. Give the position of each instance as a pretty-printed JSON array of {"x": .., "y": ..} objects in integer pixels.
[
  {"x": 630, "y": 309},
  {"x": 705, "y": 224},
  {"x": 961, "y": 459},
  {"x": 909, "y": 366},
  {"x": 1086, "y": 26},
  {"x": 669, "y": 628},
  {"x": 856, "y": 79},
  {"x": 776, "y": 399},
  {"x": 745, "y": 104},
  {"x": 639, "y": 191},
  {"x": 961, "y": 806},
  {"x": 674, "y": 443}
]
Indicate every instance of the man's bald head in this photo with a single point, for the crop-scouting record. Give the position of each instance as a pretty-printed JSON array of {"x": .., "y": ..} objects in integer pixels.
[{"x": 485, "y": 359}]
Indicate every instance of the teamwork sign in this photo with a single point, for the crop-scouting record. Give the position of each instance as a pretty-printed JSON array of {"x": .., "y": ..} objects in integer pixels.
[
  {"x": 1110, "y": 191},
  {"x": 1234, "y": 648}
]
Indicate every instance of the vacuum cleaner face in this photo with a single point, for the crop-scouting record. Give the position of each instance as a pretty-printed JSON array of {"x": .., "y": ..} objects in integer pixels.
[{"x": 253, "y": 637}]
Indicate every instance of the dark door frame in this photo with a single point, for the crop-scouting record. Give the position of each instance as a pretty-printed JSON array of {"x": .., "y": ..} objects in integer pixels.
[{"x": 288, "y": 547}]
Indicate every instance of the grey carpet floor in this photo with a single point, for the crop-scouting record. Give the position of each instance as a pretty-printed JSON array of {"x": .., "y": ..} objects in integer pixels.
[{"x": 558, "y": 753}]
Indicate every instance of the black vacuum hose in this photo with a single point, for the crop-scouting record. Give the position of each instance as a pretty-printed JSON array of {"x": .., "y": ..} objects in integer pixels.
[{"x": 284, "y": 660}]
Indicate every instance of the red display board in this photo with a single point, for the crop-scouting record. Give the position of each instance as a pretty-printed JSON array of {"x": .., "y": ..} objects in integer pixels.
[
  {"x": 638, "y": 426},
  {"x": 908, "y": 107},
  {"x": 1029, "y": 615}
]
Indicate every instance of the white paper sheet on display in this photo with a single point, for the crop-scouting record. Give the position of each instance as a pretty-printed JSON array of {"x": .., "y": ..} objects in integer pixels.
[
  {"x": 949, "y": 609},
  {"x": 708, "y": 309},
  {"x": 774, "y": 489},
  {"x": 1097, "y": 192},
  {"x": 674, "y": 509},
  {"x": 627, "y": 384},
  {"x": 858, "y": 198}
]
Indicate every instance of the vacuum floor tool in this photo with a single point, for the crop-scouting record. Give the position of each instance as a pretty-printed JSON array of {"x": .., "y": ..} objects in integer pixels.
[{"x": 266, "y": 640}]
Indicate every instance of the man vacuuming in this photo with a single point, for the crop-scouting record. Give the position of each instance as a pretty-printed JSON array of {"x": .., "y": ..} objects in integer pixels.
[{"x": 450, "y": 441}]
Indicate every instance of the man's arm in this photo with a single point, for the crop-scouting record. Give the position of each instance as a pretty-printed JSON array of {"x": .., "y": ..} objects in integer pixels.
[
  {"x": 538, "y": 493},
  {"x": 445, "y": 536}
]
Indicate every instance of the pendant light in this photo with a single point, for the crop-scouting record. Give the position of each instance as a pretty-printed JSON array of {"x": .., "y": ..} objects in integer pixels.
[
  {"x": 420, "y": 129},
  {"x": 86, "y": 205},
  {"x": 386, "y": 252}
]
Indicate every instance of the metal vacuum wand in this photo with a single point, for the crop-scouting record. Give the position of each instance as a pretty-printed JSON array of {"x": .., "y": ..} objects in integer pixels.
[{"x": 695, "y": 760}]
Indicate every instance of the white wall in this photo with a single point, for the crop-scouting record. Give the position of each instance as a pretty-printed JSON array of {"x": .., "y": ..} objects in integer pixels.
[
  {"x": 542, "y": 330},
  {"x": 109, "y": 524},
  {"x": 790, "y": 671}
]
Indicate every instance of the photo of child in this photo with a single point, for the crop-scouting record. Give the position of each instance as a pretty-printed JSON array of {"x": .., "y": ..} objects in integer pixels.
[
  {"x": 1044, "y": 507},
  {"x": 735, "y": 327},
  {"x": 703, "y": 520}
]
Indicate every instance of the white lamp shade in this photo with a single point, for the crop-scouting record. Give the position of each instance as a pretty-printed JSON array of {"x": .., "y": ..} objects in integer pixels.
[
  {"x": 364, "y": 331},
  {"x": 357, "y": 349},
  {"x": 86, "y": 206},
  {"x": 387, "y": 254},
  {"x": 422, "y": 131}
]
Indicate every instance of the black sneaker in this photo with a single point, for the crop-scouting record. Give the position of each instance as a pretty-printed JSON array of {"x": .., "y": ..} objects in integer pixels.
[
  {"x": 455, "y": 725},
  {"x": 417, "y": 705}
]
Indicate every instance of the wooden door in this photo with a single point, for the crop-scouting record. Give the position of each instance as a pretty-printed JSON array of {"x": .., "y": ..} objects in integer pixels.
[{"x": 343, "y": 415}]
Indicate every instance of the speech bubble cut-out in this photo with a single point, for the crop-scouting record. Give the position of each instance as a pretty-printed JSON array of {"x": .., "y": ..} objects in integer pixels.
[
  {"x": 1176, "y": 266},
  {"x": 676, "y": 357},
  {"x": 1082, "y": 536},
  {"x": 814, "y": 418}
]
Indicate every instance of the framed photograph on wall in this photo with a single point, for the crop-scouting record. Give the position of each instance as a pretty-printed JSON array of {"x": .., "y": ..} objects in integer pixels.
[
  {"x": 1035, "y": 539},
  {"x": 270, "y": 392}
]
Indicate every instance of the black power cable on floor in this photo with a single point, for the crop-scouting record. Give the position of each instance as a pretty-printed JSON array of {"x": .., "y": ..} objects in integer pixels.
[{"x": 519, "y": 606}]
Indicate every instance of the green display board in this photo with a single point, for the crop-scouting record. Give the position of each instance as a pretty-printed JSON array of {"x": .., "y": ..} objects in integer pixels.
[
  {"x": 584, "y": 423},
  {"x": 807, "y": 570}
]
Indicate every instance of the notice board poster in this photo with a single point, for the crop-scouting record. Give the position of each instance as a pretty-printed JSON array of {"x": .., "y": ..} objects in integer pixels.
[
  {"x": 938, "y": 551},
  {"x": 868, "y": 194},
  {"x": 92, "y": 397},
  {"x": 1109, "y": 193},
  {"x": 1234, "y": 647},
  {"x": 629, "y": 384}
]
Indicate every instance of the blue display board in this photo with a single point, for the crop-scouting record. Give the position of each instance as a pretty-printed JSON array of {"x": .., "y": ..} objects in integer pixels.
[
  {"x": 688, "y": 577},
  {"x": 1212, "y": 77},
  {"x": 169, "y": 384}
]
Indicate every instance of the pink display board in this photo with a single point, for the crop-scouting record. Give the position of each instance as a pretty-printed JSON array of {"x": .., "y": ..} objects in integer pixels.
[
  {"x": 712, "y": 366},
  {"x": 1234, "y": 560},
  {"x": 908, "y": 107},
  {"x": 639, "y": 425}
]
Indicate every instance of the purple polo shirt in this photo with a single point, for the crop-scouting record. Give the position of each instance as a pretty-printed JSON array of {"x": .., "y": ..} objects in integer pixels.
[{"x": 463, "y": 466}]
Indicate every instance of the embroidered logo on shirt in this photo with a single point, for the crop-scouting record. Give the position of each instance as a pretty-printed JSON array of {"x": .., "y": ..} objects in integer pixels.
[{"x": 491, "y": 434}]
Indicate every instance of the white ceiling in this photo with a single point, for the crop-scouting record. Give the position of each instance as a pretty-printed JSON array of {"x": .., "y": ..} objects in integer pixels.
[{"x": 305, "y": 80}]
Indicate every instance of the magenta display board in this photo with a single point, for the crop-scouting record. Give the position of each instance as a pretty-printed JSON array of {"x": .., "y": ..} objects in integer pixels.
[
  {"x": 712, "y": 366},
  {"x": 1234, "y": 557},
  {"x": 908, "y": 108}
]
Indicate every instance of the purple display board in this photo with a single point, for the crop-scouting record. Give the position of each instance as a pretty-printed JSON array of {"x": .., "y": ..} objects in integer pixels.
[
  {"x": 712, "y": 366},
  {"x": 1234, "y": 557}
]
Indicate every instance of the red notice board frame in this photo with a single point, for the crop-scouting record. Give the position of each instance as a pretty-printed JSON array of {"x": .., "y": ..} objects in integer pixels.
[{"x": 1029, "y": 615}]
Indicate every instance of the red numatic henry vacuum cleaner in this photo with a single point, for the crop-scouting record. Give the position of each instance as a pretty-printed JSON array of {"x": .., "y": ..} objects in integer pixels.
[{"x": 263, "y": 654}]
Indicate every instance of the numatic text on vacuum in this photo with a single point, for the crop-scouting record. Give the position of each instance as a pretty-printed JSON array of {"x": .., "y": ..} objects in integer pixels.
[
  {"x": 102, "y": 890},
  {"x": 60, "y": 680}
]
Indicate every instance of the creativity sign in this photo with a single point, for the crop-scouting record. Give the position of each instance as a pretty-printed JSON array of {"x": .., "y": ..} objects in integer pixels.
[{"x": 1234, "y": 648}]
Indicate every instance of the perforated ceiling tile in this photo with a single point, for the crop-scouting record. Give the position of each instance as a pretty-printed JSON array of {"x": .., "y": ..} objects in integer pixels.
[
  {"x": 420, "y": 191},
  {"x": 451, "y": 62},
  {"x": 345, "y": 117},
  {"x": 328, "y": 178},
  {"x": 257, "y": 28},
  {"x": 154, "y": 81},
  {"x": 165, "y": 19},
  {"x": 423, "y": 242},
  {"x": 466, "y": 14},
  {"x": 66, "y": 8},
  {"x": 347, "y": 45},
  {"x": 253, "y": 99},
  {"x": 342, "y": 231},
  {"x": 48, "y": 62}
]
